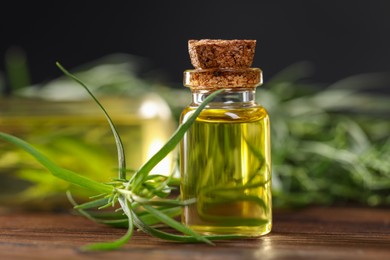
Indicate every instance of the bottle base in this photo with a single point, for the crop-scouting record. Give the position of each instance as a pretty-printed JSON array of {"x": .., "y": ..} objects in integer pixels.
[{"x": 249, "y": 231}]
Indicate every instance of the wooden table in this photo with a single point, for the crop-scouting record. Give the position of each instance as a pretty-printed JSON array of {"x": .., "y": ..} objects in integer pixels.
[{"x": 313, "y": 233}]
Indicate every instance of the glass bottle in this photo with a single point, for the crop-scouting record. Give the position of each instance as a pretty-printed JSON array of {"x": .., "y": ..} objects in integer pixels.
[{"x": 225, "y": 158}]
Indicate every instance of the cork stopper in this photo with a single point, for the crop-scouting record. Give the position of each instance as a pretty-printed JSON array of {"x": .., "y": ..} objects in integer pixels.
[
  {"x": 222, "y": 64},
  {"x": 207, "y": 54}
]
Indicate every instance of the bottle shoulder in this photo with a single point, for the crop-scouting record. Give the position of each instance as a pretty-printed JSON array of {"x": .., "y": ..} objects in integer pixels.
[{"x": 227, "y": 114}]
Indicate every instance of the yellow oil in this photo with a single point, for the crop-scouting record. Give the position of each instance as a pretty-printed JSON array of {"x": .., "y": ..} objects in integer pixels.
[{"x": 225, "y": 165}]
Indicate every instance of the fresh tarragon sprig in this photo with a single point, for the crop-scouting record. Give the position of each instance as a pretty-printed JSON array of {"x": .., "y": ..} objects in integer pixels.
[{"x": 143, "y": 199}]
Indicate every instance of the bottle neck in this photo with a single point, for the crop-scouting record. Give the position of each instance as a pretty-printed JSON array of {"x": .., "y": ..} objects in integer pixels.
[{"x": 229, "y": 97}]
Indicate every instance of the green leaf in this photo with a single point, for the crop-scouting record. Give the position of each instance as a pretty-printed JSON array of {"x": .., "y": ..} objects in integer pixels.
[
  {"x": 173, "y": 237},
  {"x": 176, "y": 225},
  {"x": 108, "y": 218},
  {"x": 140, "y": 176},
  {"x": 105, "y": 246},
  {"x": 118, "y": 141},
  {"x": 164, "y": 202},
  {"x": 92, "y": 204},
  {"x": 56, "y": 170},
  {"x": 150, "y": 219}
]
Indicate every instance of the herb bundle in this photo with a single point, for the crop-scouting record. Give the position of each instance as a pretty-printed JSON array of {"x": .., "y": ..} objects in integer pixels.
[{"x": 143, "y": 198}]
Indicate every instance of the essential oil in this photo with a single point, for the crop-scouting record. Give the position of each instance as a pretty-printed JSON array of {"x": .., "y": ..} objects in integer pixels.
[{"x": 225, "y": 156}]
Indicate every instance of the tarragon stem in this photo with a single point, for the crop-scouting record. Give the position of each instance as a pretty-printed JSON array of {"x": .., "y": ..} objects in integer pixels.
[
  {"x": 56, "y": 170},
  {"x": 118, "y": 141},
  {"x": 140, "y": 176}
]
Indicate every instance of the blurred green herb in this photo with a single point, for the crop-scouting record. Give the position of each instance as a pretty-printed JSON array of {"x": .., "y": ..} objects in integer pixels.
[
  {"x": 143, "y": 199},
  {"x": 329, "y": 145},
  {"x": 17, "y": 69}
]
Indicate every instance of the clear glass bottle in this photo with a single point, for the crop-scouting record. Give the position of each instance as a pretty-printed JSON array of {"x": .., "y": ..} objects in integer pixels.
[{"x": 225, "y": 156}]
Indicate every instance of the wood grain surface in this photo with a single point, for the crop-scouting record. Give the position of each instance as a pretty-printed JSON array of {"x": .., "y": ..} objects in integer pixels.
[{"x": 312, "y": 233}]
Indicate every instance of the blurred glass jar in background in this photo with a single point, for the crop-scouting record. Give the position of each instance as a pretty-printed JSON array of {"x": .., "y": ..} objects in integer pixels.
[{"x": 76, "y": 135}]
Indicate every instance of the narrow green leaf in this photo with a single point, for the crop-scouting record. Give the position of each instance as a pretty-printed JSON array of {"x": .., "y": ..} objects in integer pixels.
[
  {"x": 17, "y": 68},
  {"x": 80, "y": 210},
  {"x": 118, "y": 141},
  {"x": 56, "y": 170},
  {"x": 239, "y": 188},
  {"x": 139, "y": 177},
  {"x": 150, "y": 219},
  {"x": 106, "y": 246},
  {"x": 92, "y": 204},
  {"x": 114, "y": 219},
  {"x": 255, "y": 150},
  {"x": 176, "y": 225},
  {"x": 173, "y": 237},
  {"x": 164, "y": 202}
]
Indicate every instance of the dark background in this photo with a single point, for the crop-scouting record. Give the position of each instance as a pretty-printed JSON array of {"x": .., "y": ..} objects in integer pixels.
[{"x": 341, "y": 38}]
